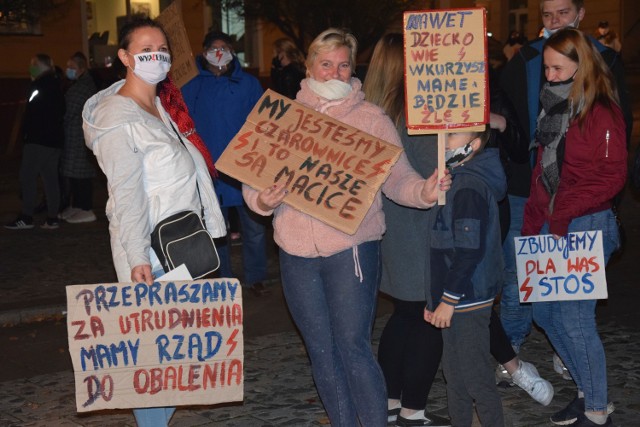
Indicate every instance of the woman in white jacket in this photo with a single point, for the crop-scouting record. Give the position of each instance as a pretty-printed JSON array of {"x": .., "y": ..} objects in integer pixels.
[{"x": 132, "y": 128}]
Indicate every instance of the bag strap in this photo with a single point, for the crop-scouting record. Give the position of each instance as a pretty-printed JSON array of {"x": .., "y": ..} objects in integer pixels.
[{"x": 197, "y": 186}]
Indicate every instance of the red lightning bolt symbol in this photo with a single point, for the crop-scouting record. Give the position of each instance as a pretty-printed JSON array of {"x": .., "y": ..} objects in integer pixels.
[
  {"x": 462, "y": 53},
  {"x": 231, "y": 342},
  {"x": 243, "y": 140},
  {"x": 219, "y": 54},
  {"x": 527, "y": 289},
  {"x": 465, "y": 115}
]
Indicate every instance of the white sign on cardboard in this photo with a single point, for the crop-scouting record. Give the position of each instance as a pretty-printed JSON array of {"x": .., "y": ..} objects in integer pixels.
[
  {"x": 168, "y": 344},
  {"x": 570, "y": 268}
]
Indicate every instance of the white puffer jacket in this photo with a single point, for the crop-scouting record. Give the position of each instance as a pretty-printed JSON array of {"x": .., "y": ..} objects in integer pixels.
[{"x": 150, "y": 175}]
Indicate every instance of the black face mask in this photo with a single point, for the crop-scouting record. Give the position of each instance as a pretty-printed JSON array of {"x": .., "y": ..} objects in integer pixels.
[
  {"x": 275, "y": 62},
  {"x": 564, "y": 82}
]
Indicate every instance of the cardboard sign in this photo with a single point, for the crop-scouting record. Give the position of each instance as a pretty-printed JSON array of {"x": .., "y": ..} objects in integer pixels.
[
  {"x": 570, "y": 268},
  {"x": 172, "y": 343},
  {"x": 446, "y": 75},
  {"x": 183, "y": 65},
  {"x": 332, "y": 170}
]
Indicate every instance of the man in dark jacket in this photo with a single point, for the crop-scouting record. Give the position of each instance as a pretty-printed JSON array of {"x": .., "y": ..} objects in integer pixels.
[
  {"x": 43, "y": 138},
  {"x": 76, "y": 164}
]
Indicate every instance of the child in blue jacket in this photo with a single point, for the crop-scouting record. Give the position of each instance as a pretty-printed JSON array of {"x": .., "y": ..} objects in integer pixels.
[{"x": 466, "y": 272}]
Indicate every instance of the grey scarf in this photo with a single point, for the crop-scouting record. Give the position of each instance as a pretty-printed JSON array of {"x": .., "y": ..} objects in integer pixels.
[{"x": 553, "y": 122}]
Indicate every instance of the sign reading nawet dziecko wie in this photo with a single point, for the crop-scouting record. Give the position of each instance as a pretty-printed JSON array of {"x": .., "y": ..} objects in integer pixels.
[
  {"x": 168, "y": 344},
  {"x": 445, "y": 70}
]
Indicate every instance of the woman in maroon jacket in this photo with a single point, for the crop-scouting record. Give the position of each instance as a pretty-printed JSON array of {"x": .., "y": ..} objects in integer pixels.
[{"x": 581, "y": 166}]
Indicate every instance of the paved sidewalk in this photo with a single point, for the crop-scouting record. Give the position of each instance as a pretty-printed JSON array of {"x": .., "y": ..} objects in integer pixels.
[{"x": 279, "y": 390}]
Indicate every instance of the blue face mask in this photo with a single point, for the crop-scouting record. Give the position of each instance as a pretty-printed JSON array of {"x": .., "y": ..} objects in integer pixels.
[
  {"x": 548, "y": 33},
  {"x": 71, "y": 73}
]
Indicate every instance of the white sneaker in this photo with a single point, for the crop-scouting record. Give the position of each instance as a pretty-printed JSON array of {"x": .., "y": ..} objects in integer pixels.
[
  {"x": 503, "y": 379},
  {"x": 527, "y": 378},
  {"x": 559, "y": 367},
  {"x": 81, "y": 216},
  {"x": 68, "y": 212}
]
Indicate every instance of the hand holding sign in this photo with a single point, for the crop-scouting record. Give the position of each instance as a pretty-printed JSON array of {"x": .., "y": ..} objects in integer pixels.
[{"x": 271, "y": 197}]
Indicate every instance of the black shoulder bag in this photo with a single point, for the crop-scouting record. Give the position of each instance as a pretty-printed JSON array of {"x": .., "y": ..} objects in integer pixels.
[{"x": 182, "y": 238}]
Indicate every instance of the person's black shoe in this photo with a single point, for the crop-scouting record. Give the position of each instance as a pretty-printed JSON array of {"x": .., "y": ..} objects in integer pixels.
[
  {"x": 23, "y": 222},
  {"x": 392, "y": 414},
  {"x": 570, "y": 414},
  {"x": 583, "y": 421},
  {"x": 259, "y": 290},
  {"x": 426, "y": 419}
]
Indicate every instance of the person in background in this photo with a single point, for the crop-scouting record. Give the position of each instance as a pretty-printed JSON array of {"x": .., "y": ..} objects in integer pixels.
[
  {"x": 330, "y": 279},
  {"x": 465, "y": 251},
  {"x": 287, "y": 68},
  {"x": 513, "y": 44},
  {"x": 43, "y": 139},
  {"x": 582, "y": 164},
  {"x": 410, "y": 349},
  {"x": 521, "y": 81},
  {"x": 220, "y": 99},
  {"x": 605, "y": 35},
  {"x": 156, "y": 164},
  {"x": 76, "y": 166}
]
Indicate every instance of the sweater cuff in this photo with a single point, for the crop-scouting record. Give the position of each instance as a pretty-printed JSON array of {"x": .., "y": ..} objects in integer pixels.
[{"x": 450, "y": 299}]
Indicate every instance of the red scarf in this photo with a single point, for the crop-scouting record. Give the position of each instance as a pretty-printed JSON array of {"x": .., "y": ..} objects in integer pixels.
[{"x": 173, "y": 103}]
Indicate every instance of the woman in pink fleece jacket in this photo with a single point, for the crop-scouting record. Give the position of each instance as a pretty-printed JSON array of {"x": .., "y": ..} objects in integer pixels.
[{"x": 330, "y": 279}]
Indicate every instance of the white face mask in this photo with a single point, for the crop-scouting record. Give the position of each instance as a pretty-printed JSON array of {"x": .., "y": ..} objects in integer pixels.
[
  {"x": 332, "y": 89},
  {"x": 218, "y": 57},
  {"x": 548, "y": 33},
  {"x": 152, "y": 67}
]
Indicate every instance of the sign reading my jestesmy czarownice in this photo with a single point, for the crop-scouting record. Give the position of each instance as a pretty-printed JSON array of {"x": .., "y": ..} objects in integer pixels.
[{"x": 332, "y": 170}]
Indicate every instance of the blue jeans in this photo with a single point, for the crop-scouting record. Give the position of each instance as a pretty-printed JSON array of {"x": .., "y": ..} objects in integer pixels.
[
  {"x": 254, "y": 247},
  {"x": 515, "y": 317},
  {"x": 153, "y": 417},
  {"x": 334, "y": 309},
  {"x": 571, "y": 325}
]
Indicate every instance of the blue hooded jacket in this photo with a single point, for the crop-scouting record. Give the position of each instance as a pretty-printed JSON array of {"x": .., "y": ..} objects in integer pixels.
[
  {"x": 466, "y": 246},
  {"x": 220, "y": 106}
]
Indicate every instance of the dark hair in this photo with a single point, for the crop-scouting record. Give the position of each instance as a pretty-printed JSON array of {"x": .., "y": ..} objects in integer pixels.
[
  {"x": 216, "y": 35},
  {"x": 45, "y": 60},
  {"x": 80, "y": 60},
  {"x": 124, "y": 36}
]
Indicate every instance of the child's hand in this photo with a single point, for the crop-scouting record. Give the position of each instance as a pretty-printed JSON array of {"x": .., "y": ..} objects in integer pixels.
[
  {"x": 428, "y": 315},
  {"x": 432, "y": 186},
  {"x": 271, "y": 197},
  {"x": 441, "y": 317}
]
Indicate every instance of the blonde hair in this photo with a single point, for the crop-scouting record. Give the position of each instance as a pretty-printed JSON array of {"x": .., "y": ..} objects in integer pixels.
[
  {"x": 329, "y": 40},
  {"x": 593, "y": 81},
  {"x": 384, "y": 82},
  {"x": 290, "y": 50}
]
